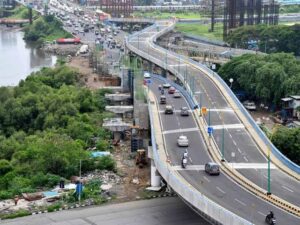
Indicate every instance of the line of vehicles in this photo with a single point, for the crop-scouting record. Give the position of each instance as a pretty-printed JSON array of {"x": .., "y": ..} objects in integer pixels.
[{"x": 210, "y": 168}]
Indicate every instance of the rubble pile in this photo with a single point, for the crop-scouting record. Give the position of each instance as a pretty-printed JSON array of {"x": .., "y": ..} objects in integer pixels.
[
  {"x": 106, "y": 177},
  {"x": 62, "y": 50}
]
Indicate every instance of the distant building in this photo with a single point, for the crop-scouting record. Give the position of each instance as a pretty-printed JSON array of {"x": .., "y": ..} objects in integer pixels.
[
  {"x": 7, "y": 4},
  {"x": 290, "y": 105}
]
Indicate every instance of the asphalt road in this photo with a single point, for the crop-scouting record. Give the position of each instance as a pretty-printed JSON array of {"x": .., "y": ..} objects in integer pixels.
[
  {"x": 221, "y": 189},
  {"x": 161, "y": 211},
  {"x": 239, "y": 147}
]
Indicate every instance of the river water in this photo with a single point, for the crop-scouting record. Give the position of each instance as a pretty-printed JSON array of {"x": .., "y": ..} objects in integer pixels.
[{"x": 18, "y": 59}]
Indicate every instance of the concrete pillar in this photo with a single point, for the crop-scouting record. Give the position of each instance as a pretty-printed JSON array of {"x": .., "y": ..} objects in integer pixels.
[
  {"x": 164, "y": 73},
  {"x": 155, "y": 177},
  {"x": 117, "y": 135}
]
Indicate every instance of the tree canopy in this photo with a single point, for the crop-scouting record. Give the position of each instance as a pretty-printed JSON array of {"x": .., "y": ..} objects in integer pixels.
[
  {"x": 265, "y": 78},
  {"x": 47, "y": 124},
  {"x": 270, "y": 39}
]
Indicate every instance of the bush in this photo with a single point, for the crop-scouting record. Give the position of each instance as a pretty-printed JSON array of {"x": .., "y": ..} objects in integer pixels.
[
  {"x": 5, "y": 167},
  {"x": 54, "y": 207},
  {"x": 6, "y": 194},
  {"x": 105, "y": 163},
  {"x": 45, "y": 180}
]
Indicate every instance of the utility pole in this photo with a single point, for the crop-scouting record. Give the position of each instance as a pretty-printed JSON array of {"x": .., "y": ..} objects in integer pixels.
[{"x": 212, "y": 16}]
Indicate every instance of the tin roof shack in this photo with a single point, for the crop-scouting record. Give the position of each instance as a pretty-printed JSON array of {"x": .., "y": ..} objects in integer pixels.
[{"x": 291, "y": 106}]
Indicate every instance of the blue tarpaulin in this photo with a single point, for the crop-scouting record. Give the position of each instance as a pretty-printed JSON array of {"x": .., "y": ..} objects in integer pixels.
[{"x": 99, "y": 154}]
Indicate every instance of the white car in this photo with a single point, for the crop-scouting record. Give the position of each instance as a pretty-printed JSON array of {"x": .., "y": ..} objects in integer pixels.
[
  {"x": 177, "y": 94},
  {"x": 147, "y": 75},
  {"x": 249, "y": 105},
  {"x": 183, "y": 141},
  {"x": 166, "y": 85}
]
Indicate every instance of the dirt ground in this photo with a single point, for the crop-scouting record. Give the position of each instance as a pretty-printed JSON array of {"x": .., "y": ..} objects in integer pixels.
[
  {"x": 128, "y": 191},
  {"x": 89, "y": 78},
  {"x": 264, "y": 117}
]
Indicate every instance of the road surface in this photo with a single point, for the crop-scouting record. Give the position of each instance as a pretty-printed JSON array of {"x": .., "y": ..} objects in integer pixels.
[{"x": 161, "y": 211}]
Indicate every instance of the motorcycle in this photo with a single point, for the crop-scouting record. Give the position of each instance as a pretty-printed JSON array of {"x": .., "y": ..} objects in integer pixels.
[
  {"x": 162, "y": 91},
  {"x": 183, "y": 163},
  {"x": 270, "y": 221}
]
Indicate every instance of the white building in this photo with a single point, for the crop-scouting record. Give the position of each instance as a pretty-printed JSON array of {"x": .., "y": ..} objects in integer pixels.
[{"x": 290, "y": 104}]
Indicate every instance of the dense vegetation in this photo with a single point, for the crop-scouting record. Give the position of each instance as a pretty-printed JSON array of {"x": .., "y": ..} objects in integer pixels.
[
  {"x": 46, "y": 28},
  {"x": 288, "y": 141},
  {"x": 279, "y": 38},
  {"x": 46, "y": 125},
  {"x": 20, "y": 12},
  {"x": 289, "y": 9},
  {"x": 265, "y": 78}
]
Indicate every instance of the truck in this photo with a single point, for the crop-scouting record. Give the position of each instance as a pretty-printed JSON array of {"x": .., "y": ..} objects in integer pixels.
[
  {"x": 84, "y": 49},
  {"x": 68, "y": 41}
]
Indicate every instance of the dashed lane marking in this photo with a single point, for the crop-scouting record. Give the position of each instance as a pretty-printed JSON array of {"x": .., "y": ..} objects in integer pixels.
[
  {"x": 220, "y": 190},
  {"x": 286, "y": 188},
  {"x": 242, "y": 203}
]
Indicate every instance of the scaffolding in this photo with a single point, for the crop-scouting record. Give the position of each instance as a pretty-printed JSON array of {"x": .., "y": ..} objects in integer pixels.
[
  {"x": 117, "y": 8},
  {"x": 249, "y": 12}
]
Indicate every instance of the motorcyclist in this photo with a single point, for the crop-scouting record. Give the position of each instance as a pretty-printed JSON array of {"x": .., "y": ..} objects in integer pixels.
[
  {"x": 185, "y": 154},
  {"x": 159, "y": 87},
  {"x": 270, "y": 219},
  {"x": 184, "y": 162},
  {"x": 162, "y": 91},
  {"x": 270, "y": 215}
]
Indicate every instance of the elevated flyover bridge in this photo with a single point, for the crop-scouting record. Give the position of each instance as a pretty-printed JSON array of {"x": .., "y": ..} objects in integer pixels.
[{"x": 239, "y": 195}]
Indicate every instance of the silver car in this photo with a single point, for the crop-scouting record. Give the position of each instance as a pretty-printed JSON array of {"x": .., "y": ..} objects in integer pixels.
[
  {"x": 183, "y": 141},
  {"x": 177, "y": 94},
  {"x": 212, "y": 168}
]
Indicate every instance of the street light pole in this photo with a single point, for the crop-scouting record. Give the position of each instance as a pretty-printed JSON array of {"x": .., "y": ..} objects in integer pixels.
[
  {"x": 222, "y": 146},
  {"x": 269, "y": 172}
]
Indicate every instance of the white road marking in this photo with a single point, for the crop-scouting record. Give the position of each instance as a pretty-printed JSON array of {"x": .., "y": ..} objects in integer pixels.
[
  {"x": 221, "y": 110},
  {"x": 239, "y": 150},
  {"x": 189, "y": 167},
  {"x": 242, "y": 203},
  {"x": 246, "y": 159},
  {"x": 205, "y": 178},
  {"x": 228, "y": 126},
  {"x": 286, "y": 188},
  {"x": 266, "y": 177},
  {"x": 234, "y": 142},
  {"x": 251, "y": 165},
  {"x": 220, "y": 190},
  {"x": 259, "y": 212},
  {"x": 180, "y": 130},
  {"x": 178, "y": 64},
  {"x": 191, "y": 159}
]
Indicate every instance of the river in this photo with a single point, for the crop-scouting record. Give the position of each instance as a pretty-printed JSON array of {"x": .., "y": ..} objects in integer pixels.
[{"x": 18, "y": 59}]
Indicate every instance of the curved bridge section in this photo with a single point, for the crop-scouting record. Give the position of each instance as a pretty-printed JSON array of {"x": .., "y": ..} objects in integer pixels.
[{"x": 243, "y": 140}]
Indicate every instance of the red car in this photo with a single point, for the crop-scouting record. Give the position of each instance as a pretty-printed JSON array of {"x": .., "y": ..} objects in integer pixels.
[{"x": 171, "y": 90}]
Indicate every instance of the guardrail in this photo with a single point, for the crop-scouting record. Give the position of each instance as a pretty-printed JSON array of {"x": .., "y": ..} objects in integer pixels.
[
  {"x": 276, "y": 152},
  {"x": 217, "y": 214}
]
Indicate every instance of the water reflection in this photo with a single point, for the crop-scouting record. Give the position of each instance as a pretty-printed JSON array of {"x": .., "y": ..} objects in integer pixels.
[{"x": 18, "y": 59}]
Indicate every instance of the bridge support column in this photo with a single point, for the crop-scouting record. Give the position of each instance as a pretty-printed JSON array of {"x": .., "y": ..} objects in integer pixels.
[
  {"x": 164, "y": 73},
  {"x": 155, "y": 176}
]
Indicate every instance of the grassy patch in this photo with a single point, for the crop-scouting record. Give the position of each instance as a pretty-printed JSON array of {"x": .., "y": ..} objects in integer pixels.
[
  {"x": 167, "y": 15},
  {"x": 201, "y": 30},
  {"x": 19, "y": 213},
  {"x": 21, "y": 12}
]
